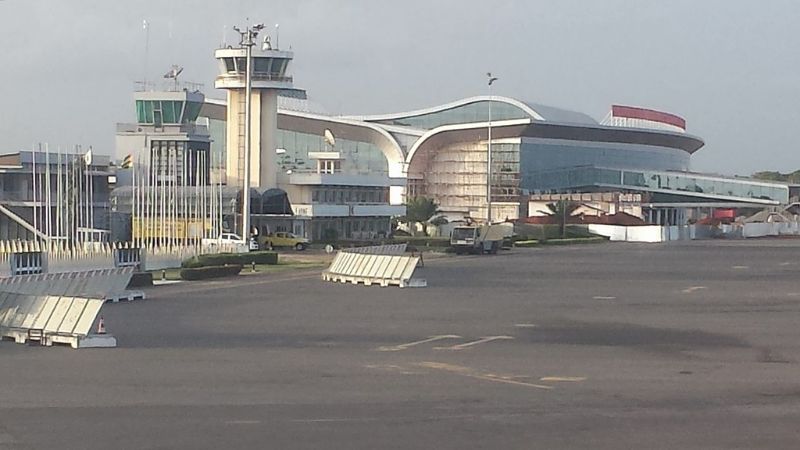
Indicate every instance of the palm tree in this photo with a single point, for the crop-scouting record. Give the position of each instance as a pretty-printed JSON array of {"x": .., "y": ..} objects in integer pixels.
[
  {"x": 561, "y": 210},
  {"x": 424, "y": 211}
]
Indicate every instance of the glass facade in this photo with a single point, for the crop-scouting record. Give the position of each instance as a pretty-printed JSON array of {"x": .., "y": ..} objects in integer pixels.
[
  {"x": 358, "y": 158},
  {"x": 471, "y": 112},
  {"x": 578, "y": 178},
  {"x": 539, "y": 156},
  {"x": 219, "y": 135},
  {"x": 158, "y": 112}
]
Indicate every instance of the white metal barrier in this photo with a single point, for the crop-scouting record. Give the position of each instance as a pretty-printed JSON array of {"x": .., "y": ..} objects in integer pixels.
[
  {"x": 101, "y": 283},
  {"x": 51, "y": 319},
  {"x": 59, "y": 257},
  {"x": 387, "y": 249},
  {"x": 369, "y": 269}
]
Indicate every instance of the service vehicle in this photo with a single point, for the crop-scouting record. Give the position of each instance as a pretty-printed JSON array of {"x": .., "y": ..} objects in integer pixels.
[
  {"x": 285, "y": 239},
  {"x": 478, "y": 238}
]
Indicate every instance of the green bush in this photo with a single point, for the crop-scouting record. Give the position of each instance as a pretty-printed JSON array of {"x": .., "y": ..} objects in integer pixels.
[
  {"x": 204, "y": 273},
  {"x": 221, "y": 259},
  {"x": 585, "y": 240},
  {"x": 544, "y": 232}
]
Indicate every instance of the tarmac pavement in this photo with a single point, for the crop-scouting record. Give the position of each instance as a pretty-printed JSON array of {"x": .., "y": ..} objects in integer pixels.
[{"x": 686, "y": 345}]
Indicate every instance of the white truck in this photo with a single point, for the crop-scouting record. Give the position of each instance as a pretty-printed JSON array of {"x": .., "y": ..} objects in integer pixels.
[
  {"x": 478, "y": 238},
  {"x": 233, "y": 242}
]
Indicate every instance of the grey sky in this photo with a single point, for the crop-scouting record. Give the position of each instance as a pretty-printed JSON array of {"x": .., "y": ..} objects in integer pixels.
[{"x": 729, "y": 67}]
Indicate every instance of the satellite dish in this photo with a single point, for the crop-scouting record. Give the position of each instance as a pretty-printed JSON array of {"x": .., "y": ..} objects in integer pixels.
[
  {"x": 329, "y": 139},
  {"x": 174, "y": 72}
]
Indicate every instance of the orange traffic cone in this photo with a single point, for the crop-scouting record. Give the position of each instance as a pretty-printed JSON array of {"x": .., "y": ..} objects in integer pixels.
[{"x": 101, "y": 326}]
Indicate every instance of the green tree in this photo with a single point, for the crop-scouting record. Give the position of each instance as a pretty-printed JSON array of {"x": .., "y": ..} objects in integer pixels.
[
  {"x": 424, "y": 211},
  {"x": 562, "y": 210},
  {"x": 791, "y": 177}
]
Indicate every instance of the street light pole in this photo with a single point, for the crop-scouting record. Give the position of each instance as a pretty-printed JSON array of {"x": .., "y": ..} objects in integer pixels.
[
  {"x": 489, "y": 155},
  {"x": 248, "y": 37}
]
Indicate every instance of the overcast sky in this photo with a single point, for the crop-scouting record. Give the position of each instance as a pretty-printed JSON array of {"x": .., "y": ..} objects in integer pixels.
[{"x": 729, "y": 67}]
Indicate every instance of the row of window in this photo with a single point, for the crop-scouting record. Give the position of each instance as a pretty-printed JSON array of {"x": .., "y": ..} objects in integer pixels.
[
  {"x": 350, "y": 228},
  {"x": 591, "y": 176},
  {"x": 344, "y": 195}
]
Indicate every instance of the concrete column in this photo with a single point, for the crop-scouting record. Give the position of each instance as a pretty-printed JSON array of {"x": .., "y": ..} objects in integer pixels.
[
  {"x": 266, "y": 168},
  {"x": 234, "y": 140}
]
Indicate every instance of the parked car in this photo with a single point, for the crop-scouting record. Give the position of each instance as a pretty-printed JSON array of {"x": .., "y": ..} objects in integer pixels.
[{"x": 285, "y": 239}]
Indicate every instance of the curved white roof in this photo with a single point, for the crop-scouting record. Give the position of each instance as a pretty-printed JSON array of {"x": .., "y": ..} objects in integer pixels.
[{"x": 534, "y": 110}]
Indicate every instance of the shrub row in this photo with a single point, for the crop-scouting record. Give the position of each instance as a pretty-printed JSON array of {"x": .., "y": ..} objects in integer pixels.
[
  {"x": 204, "y": 273},
  {"x": 221, "y": 259},
  {"x": 583, "y": 240},
  {"x": 569, "y": 241}
]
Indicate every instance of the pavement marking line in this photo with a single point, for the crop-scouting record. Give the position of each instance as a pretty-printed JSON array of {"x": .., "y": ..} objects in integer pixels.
[
  {"x": 692, "y": 289},
  {"x": 601, "y": 297},
  {"x": 482, "y": 340},
  {"x": 562, "y": 379},
  {"x": 525, "y": 325},
  {"x": 785, "y": 264},
  {"x": 335, "y": 420},
  {"x": 740, "y": 267},
  {"x": 470, "y": 373},
  {"x": 242, "y": 422},
  {"x": 397, "y": 348}
]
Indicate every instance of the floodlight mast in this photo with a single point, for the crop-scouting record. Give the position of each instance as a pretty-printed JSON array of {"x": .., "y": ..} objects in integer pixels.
[
  {"x": 491, "y": 80},
  {"x": 248, "y": 40}
]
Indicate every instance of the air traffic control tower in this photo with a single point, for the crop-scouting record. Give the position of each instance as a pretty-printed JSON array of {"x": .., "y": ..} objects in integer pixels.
[{"x": 269, "y": 78}]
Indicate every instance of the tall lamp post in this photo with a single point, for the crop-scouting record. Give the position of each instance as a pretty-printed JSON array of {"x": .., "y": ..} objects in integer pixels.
[
  {"x": 491, "y": 80},
  {"x": 248, "y": 41}
]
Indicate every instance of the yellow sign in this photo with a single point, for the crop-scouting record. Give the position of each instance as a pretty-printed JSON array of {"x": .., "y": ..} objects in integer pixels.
[{"x": 181, "y": 228}]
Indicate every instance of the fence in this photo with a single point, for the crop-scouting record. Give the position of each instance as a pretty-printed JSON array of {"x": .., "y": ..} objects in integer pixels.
[{"x": 59, "y": 257}]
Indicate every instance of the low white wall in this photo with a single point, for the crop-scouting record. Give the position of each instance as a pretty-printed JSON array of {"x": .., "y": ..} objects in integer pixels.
[{"x": 645, "y": 233}]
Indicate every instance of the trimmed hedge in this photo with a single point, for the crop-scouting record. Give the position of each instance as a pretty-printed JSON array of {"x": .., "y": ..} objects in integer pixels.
[
  {"x": 221, "y": 259},
  {"x": 587, "y": 240},
  {"x": 204, "y": 273}
]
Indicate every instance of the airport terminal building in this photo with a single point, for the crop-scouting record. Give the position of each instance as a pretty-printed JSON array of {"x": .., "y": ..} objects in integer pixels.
[{"x": 349, "y": 175}]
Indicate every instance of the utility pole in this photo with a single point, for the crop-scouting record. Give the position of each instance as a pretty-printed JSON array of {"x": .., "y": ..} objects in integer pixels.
[
  {"x": 248, "y": 40},
  {"x": 489, "y": 156}
]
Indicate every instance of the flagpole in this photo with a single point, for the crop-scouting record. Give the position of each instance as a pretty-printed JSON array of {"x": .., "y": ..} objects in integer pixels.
[
  {"x": 199, "y": 233},
  {"x": 58, "y": 192},
  {"x": 49, "y": 212},
  {"x": 76, "y": 185},
  {"x": 163, "y": 189},
  {"x": 91, "y": 194},
  {"x": 33, "y": 187},
  {"x": 184, "y": 170}
]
